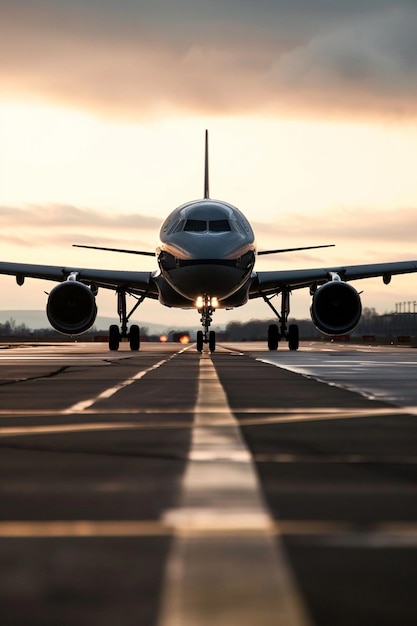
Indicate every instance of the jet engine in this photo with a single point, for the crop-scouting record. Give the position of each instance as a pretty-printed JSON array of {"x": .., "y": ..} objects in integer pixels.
[
  {"x": 336, "y": 308},
  {"x": 71, "y": 308}
]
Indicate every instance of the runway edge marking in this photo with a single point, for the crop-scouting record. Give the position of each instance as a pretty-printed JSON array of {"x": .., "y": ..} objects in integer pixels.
[
  {"x": 79, "y": 407},
  {"x": 219, "y": 577}
]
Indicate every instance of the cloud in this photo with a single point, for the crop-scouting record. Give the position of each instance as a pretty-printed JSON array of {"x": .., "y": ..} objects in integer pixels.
[
  {"x": 61, "y": 225},
  {"x": 369, "y": 61},
  {"x": 62, "y": 216},
  {"x": 376, "y": 233},
  {"x": 272, "y": 57},
  {"x": 378, "y": 230}
]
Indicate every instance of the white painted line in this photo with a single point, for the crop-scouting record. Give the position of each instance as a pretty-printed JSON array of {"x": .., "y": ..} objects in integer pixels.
[
  {"x": 79, "y": 407},
  {"x": 225, "y": 566}
]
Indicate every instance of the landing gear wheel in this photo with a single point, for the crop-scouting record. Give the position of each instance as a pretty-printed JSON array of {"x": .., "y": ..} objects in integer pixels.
[
  {"x": 199, "y": 341},
  {"x": 273, "y": 337},
  {"x": 114, "y": 337},
  {"x": 212, "y": 341},
  {"x": 134, "y": 338},
  {"x": 293, "y": 337}
]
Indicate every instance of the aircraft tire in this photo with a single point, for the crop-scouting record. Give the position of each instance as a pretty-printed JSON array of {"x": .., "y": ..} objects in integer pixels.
[
  {"x": 114, "y": 337},
  {"x": 134, "y": 338},
  {"x": 212, "y": 341},
  {"x": 199, "y": 341}
]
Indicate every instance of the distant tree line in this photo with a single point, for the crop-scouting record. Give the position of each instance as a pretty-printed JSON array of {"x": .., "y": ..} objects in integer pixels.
[
  {"x": 10, "y": 328},
  {"x": 257, "y": 330},
  {"x": 386, "y": 325}
]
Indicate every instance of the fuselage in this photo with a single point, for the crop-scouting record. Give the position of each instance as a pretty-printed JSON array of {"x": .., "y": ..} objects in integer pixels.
[{"x": 206, "y": 249}]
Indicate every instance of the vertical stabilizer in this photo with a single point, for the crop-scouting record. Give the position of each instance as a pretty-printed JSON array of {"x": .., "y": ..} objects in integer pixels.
[{"x": 206, "y": 170}]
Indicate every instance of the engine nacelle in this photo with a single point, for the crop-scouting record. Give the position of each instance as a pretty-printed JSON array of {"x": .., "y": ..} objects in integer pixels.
[
  {"x": 336, "y": 308},
  {"x": 71, "y": 308}
]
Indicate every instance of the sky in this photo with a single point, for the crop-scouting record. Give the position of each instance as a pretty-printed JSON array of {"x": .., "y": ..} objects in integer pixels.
[{"x": 310, "y": 107}]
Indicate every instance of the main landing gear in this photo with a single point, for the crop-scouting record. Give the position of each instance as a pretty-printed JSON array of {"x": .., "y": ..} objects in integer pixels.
[
  {"x": 206, "y": 336},
  {"x": 277, "y": 332},
  {"x": 116, "y": 334}
]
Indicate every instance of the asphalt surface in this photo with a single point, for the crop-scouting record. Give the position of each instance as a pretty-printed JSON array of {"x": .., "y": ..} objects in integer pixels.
[{"x": 167, "y": 488}]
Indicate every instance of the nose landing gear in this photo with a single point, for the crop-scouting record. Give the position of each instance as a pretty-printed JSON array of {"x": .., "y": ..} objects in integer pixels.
[{"x": 207, "y": 336}]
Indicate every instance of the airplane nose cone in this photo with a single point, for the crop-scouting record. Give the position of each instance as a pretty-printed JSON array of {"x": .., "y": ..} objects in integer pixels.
[
  {"x": 213, "y": 246},
  {"x": 214, "y": 268}
]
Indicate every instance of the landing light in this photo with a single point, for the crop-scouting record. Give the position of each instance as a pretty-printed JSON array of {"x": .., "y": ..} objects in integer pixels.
[{"x": 206, "y": 301}]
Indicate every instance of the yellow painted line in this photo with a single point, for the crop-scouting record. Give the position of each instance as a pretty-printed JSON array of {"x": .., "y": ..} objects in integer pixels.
[
  {"x": 206, "y": 527},
  {"x": 334, "y": 527},
  {"x": 59, "y": 429},
  {"x": 336, "y": 458},
  {"x": 290, "y": 414},
  {"x": 222, "y": 422},
  {"x": 82, "y": 528}
]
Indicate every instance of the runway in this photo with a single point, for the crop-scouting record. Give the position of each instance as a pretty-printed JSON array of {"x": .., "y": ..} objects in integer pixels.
[{"x": 166, "y": 488}]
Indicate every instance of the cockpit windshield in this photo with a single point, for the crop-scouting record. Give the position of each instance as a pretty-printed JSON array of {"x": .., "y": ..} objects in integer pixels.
[
  {"x": 213, "y": 226},
  {"x": 219, "y": 226},
  {"x": 195, "y": 226}
]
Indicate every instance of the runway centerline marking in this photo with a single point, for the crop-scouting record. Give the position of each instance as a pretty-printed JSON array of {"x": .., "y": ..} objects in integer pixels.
[{"x": 213, "y": 576}]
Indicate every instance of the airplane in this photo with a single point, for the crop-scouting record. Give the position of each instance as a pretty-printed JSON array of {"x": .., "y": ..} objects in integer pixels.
[{"x": 206, "y": 258}]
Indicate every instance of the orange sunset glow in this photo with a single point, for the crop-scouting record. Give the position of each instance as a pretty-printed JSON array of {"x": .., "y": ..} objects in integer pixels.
[{"x": 311, "y": 110}]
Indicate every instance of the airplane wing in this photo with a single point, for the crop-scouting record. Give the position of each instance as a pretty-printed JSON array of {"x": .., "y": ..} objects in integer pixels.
[
  {"x": 140, "y": 252},
  {"x": 269, "y": 282},
  {"x": 137, "y": 282}
]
